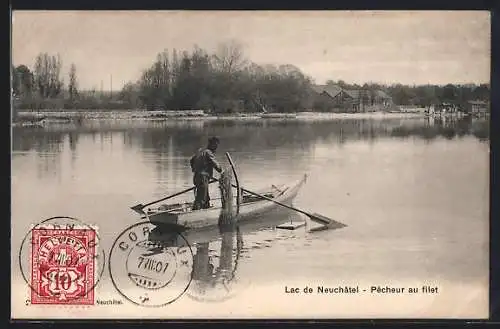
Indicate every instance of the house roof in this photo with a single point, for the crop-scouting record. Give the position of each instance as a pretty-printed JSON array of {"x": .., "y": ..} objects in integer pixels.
[
  {"x": 353, "y": 93},
  {"x": 317, "y": 88},
  {"x": 334, "y": 90},
  {"x": 381, "y": 94},
  {"x": 331, "y": 90}
]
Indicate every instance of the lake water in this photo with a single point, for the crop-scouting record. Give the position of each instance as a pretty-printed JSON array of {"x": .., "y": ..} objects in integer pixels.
[{"x": 413, "y": 193}]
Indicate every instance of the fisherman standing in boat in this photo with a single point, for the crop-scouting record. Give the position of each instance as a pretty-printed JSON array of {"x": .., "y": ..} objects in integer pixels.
[{"x": 202, "y": 165}]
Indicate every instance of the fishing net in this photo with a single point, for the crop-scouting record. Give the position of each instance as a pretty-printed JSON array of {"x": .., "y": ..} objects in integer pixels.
[{"x": 228, "y": 211}]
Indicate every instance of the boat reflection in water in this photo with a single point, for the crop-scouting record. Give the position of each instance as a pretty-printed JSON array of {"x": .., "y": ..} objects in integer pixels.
[
  {"x": 217, "y": 253},
  {"x": 215, "y": 270}
]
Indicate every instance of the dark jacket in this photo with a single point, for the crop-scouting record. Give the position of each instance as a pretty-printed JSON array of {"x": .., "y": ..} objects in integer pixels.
[{"x": 204, "y": 162}]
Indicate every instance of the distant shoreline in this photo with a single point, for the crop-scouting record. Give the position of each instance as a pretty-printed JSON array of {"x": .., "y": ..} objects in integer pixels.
[
  {"x": 72, "y": 116},
  {"x": 48, "y": 118}
]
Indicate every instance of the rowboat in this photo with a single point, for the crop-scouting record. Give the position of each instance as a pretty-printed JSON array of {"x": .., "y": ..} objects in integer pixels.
[{"x": 251, "y": 207}]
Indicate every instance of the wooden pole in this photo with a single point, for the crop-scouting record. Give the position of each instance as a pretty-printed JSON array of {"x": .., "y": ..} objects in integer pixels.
[{"x": 238, "y": 188}]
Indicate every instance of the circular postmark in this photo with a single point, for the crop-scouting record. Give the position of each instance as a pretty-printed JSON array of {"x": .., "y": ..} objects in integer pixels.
[
  {"x": 62, "y": 260},
  {"x": 150, "y": 272}
]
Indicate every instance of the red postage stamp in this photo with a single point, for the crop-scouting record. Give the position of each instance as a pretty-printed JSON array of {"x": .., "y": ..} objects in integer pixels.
[{"x": 63, "y": 266}]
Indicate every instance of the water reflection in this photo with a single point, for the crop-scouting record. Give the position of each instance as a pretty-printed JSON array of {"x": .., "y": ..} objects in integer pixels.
[
  {"x": 166, "y": 146},
  {"x": 448, "y": 128},
  {"x": 215, "y": 271},
  {"x": 255, "y": 135},
  {"x": 218, "y": 252}
]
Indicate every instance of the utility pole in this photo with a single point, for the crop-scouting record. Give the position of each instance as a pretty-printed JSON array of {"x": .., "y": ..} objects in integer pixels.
[
  {"x": 101, "y": 90},
  {"x": 111, "y": 85}
]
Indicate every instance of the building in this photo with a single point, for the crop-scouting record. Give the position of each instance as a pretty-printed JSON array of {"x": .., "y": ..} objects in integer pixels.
[
  {"x": 333, "y": 98},
  {"x": 477, "y": 107},
  {"x": 330, "y": 98},
  {"x": 445, "y": 108},
  {"x": 381, "y": 97}
]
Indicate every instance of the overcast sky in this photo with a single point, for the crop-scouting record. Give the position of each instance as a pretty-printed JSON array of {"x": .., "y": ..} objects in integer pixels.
[{"x": 389, "y": 47}]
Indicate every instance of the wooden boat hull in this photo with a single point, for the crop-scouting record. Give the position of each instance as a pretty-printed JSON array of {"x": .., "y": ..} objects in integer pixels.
[{"x": 210, "y": 217}]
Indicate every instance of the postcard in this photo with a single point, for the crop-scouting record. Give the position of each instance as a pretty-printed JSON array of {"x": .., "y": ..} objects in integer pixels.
[{"x": 250, "y": 165}]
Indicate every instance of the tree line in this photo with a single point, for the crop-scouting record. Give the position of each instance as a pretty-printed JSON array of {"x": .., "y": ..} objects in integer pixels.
[
  {"x": 224, "y": 81},
  {"x": 34, "y": 88},
  {"x": 426, "y": 95}
]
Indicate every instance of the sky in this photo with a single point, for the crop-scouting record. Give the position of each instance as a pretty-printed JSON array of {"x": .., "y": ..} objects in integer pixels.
[{"x": 412, "y": 47}]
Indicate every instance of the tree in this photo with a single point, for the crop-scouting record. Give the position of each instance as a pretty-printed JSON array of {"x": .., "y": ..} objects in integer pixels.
[
  {"x": 182, "y": 98},
  {"x": 342, "y": 84},
  {"x": 156, "y": 81},
  {"x": 73, "y": 84},
  {"x": 130, "y": 94},
  {"x": 482, "y": 92},
  {"x": 283, "y": 89},
  {"x": 402, "y": 95},
  {"x": 22, "y": 80},
  {"x": 200, "y": 75},
  {"x": 47, "y": 75},
  {"x": 450, "y": 94},
  {"x": 223, "y": 81},
  {"x": 331, "y": 83},
  {"x": 229, "y": 57}
]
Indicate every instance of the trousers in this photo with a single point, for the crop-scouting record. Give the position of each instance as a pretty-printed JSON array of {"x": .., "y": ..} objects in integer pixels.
[{"x": 202, "y": 197}]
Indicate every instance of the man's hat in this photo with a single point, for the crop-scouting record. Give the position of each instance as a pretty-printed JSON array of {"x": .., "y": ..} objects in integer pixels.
[{"x": 213, "y": 141}]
